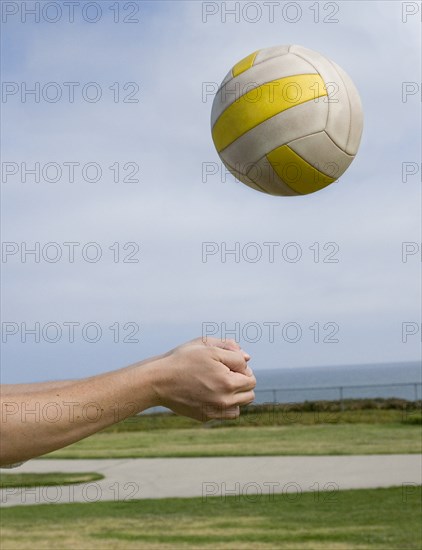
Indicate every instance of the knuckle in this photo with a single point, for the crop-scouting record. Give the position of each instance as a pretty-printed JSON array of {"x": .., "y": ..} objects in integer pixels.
[
  {"x": 225, "y": 404},
  {"x": 232, "y": 342},
  {"x": 231, "y": 384}
]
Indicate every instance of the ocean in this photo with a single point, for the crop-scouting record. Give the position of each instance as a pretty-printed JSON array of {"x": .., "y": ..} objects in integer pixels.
[{"x": 294, "y": 385}]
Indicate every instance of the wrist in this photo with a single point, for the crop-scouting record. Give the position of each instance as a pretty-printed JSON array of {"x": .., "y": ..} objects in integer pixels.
[{"x": 153, "y": 380}]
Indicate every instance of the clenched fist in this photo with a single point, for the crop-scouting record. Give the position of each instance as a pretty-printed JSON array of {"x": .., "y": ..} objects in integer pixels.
[{"x": 205, "y": 379}]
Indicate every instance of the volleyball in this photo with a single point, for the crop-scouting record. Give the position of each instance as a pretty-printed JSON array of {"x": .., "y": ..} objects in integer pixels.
[{"x": 287, "y": 121}]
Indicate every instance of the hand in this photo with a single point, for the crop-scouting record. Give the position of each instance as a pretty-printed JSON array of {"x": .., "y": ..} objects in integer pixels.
[
  {"x": 205, "y": 380},
  {"x": 216, "y": 342}
]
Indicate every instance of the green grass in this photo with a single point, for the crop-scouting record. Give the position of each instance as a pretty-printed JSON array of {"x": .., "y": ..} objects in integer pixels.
[
  {"x": 42, "y": 480},
  {"x": 298, "y": 439},
  {"x": 308, "y": 413},
  {"x": 374, "y": 519}
]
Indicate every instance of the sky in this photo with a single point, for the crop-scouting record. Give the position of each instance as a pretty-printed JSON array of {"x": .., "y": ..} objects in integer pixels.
[{"x": 119, "y": 131}]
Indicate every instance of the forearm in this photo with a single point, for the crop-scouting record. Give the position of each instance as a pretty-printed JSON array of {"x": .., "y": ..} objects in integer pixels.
[{"x": 41, "y": 421}]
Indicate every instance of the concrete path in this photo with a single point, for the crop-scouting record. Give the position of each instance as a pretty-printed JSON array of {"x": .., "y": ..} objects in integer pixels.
[{"x": 141, "y": 478}]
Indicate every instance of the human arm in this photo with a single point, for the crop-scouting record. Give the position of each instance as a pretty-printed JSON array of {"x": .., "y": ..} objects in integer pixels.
[{"x": 197, "y": 380}]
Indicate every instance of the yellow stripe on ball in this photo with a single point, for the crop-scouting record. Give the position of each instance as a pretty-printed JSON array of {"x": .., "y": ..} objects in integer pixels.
[
  {"x": 298, "y": 174},
  {"x": 264, "y": 102},
  {"x": 244, "y": 64}
]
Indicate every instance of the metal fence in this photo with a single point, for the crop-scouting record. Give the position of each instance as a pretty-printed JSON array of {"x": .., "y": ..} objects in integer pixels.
[
  {"x": 338, "y": 393},
  {"x": 342, "y": 393}
]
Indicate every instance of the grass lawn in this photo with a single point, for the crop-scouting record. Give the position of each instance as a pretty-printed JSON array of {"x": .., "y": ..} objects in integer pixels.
[
  {"x": 280, "y": 415},
  {"x": 43, "y": 480},
  {"x": 370, "y": 519},
  {"x": 297, "y": 439}
]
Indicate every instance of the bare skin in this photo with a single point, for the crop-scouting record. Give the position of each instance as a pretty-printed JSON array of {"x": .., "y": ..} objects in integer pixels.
[{"x": 201, "y": 380}]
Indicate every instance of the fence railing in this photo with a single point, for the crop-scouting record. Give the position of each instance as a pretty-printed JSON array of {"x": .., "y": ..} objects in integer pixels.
[{"x": 342, "y": 391}]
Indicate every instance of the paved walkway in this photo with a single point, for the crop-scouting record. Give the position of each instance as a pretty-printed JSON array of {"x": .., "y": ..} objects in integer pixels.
[{"x": 141, "y": 478}]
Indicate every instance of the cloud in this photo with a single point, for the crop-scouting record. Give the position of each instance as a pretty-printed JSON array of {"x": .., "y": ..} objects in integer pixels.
[{"x": 171, "y": 212}]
